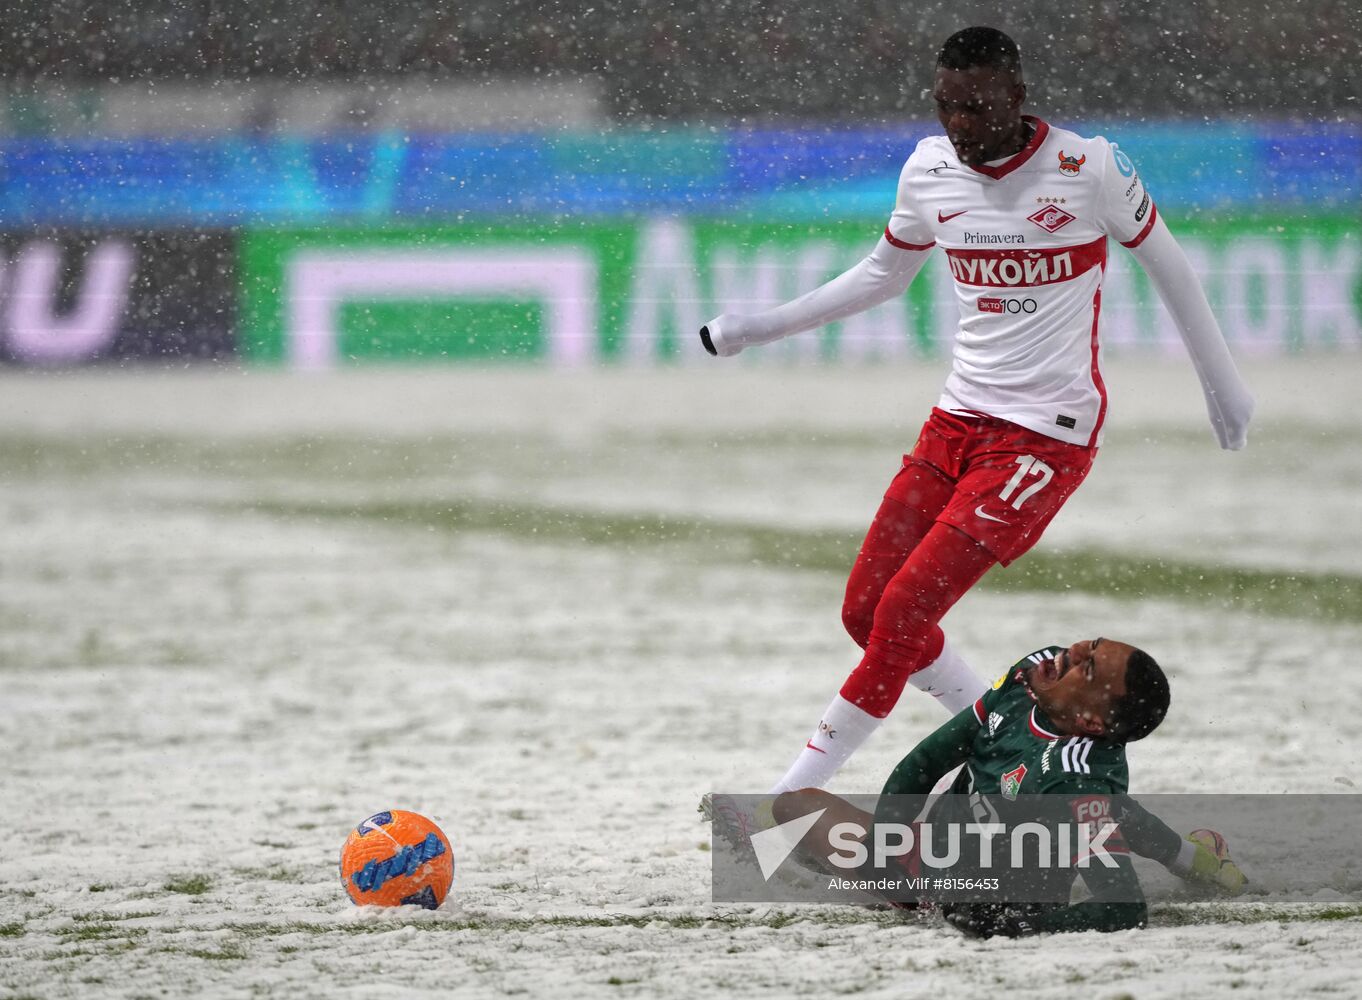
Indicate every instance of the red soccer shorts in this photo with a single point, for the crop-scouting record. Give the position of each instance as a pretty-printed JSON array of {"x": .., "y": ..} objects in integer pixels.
[{"x": 1009, "y": 481}]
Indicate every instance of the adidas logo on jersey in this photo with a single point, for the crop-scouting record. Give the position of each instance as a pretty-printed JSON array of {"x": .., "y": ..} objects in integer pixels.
[
  {"x": 994, "y": 721},
  {"x": 1073, "y": 756}
]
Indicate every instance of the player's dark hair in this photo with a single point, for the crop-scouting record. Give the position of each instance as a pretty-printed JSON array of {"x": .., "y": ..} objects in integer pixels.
[
  {"x": 980, "y": 46},
  {"x": 1139, "y": 711}
]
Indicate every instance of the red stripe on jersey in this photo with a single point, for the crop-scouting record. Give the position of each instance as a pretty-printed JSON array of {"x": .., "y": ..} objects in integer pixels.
[
  {"x": 1149, "y": 224},
  {"x": 979, "y": 711},
  {"x": 1036, "y": 730},
  {"x": 1026, "y": 268},
  {"x": 895, "y": 241},
  {"x": 1024, "y": 154},
  {"x": 1097, "y": 373}
]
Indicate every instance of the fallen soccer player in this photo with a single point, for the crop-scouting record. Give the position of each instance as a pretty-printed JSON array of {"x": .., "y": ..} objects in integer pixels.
[{"x": 1056, "y": 724}]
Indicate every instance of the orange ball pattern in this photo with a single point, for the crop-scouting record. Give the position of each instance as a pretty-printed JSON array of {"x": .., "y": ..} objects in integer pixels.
[
  {"x": 1212, "y": 841},
  {"x": 397, "y": 858}
]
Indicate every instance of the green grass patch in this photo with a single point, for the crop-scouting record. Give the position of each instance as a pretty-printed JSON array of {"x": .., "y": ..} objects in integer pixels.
[
  {"x": 1327, "y": 596},
  {"x": 13, "y": 929},
  {"x": 100, "y": 930},
  {"x": 1172, "y": 915},
  {"x": 274, "y": 873},
  {"x": 189, "y": 885},
  {"x": 823, "y": 917},
  {"x": 520, "y": 458},
  {"x": 1162, "y": 915},
  {"x": 227, "y": 953},
  {"x": 106, "y": 917}
]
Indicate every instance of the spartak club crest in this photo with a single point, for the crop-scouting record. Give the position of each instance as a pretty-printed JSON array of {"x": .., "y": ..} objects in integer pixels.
[
  {"x": 1069, "y": 164},
  {"x": 1051, "y": 218}
]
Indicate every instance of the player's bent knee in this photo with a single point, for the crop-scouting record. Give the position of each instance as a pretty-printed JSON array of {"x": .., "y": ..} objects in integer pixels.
[
  {"x": 792, "y": 805},
  {"x": 858, "y": 618}
]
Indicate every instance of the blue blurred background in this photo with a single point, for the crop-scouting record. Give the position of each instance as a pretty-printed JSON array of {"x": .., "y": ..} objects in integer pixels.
[
  {"x": 169, "y": 167},
  {"x": 785, "y": 173}
]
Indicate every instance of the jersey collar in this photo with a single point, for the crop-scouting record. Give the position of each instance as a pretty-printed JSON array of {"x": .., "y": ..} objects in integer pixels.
[
  {"x": 1040, "y": 726},
  {"x": 1039, "y": 131}
]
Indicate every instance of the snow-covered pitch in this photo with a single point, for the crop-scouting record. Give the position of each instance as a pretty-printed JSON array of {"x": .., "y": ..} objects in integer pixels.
[{"x": 241, "y": 612}]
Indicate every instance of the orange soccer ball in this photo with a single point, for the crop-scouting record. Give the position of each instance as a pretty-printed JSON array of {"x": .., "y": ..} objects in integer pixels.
[
  {"x": 397, "y": 858},
  {"x": 1212, "y": 841}
]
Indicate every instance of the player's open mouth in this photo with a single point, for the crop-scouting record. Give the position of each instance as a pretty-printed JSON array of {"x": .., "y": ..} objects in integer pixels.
[{"x": 1053, "y": 669}]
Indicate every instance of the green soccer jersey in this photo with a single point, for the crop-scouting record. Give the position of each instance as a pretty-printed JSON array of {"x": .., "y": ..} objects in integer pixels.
[
  {"x": 1008, "y": 749},
  {"x": 1016, "y": 750}
]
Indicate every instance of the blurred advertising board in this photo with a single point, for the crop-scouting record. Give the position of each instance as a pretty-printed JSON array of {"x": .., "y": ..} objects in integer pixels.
[
  {"x": 317, "y": 297},
  {"x": 627, "y": 292},
  {"x": 74, "y": 296},
  {"x": 756, "y": 174},
  {"x": 635, "y": 291}
]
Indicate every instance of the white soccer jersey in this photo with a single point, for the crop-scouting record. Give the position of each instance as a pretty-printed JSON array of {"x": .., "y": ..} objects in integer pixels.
[{"x": 1026, "y": 242}]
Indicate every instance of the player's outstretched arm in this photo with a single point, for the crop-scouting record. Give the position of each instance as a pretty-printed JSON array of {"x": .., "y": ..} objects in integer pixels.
[
  {"x": 1228, "y": 399},
  {"x": 885, "y": 273},
  {"x": 916, "y": 774},
  {"x": 1186, "y": 857}
]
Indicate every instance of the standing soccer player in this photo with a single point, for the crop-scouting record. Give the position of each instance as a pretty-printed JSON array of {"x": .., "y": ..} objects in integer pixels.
[{"x": 1023, "y": 211}]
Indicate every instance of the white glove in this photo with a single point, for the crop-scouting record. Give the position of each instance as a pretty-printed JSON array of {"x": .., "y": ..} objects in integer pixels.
[
  {"x": 1231, "y": 408},
  {"x": 718, "y": 335}
]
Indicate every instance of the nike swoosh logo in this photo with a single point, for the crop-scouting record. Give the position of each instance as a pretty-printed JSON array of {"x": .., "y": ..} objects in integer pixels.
[
  {"x": 979, "y": 512},
  {"x": 948, "y": 218},
  {"x": 810, "y": 745}
]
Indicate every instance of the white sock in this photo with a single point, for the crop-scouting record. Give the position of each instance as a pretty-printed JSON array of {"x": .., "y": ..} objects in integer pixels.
[
  {"x": 840, "y": 733},
  {"x": 1182, "y": 864},
  {"x": 950, "y": 680}
]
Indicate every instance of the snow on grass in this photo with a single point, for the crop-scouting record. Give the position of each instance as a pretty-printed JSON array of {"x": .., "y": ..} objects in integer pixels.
[{"x": 209, "y": 678}]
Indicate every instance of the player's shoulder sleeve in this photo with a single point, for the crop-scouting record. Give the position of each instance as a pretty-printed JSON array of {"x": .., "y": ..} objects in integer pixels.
[
  {"x": 1125, "y": 208},
  {"x": 1010, "y": 681},
  {"x": 909, "y": 227},
  {"x": 1081, "y": 765}
]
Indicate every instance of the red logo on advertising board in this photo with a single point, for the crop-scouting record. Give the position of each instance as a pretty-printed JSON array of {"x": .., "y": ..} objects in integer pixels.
[{"x": 1051, "y": 218}]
